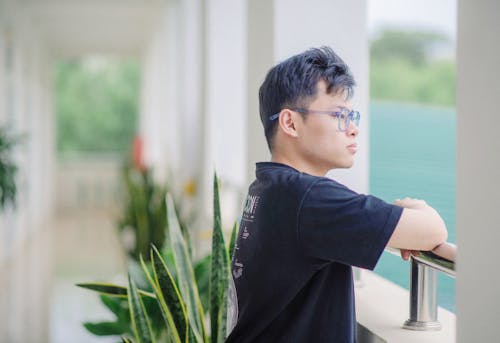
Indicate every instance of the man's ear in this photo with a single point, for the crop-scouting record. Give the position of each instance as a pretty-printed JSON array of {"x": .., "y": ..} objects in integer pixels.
[{"x": 287, "y": 122}]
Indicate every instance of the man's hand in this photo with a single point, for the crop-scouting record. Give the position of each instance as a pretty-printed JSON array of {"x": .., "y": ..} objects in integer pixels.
[
  {"x": 446, "y": 250},
  {"x": 405, "y": 253},
  {"x": 411, "y": 203}
]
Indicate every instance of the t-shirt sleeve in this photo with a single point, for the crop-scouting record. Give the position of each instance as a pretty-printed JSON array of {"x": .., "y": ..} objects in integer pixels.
[{"x": 338, "y": 224}]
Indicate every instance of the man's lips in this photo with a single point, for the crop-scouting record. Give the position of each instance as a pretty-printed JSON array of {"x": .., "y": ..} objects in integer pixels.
[{"x": 352, "y": 148}]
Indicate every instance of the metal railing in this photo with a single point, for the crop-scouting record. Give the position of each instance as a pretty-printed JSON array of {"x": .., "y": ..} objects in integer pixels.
[{"x": 423, "y": 288}]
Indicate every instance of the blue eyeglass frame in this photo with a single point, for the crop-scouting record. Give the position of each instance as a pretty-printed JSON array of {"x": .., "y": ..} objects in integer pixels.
[{"x": 350, "y": 116}]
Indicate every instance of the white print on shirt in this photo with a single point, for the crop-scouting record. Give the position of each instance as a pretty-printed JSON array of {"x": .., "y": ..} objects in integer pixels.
[
  {"x": 237, "y": 269},
  {"x": 245, "y": 233},
  {"x": 251, "y": 203},
  {"x": 250, "y": 206}
]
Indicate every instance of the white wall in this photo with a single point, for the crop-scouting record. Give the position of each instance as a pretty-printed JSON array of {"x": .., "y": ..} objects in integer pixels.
[
  {"x": 478, "y": 165},
  {"x": 25, "y": 107}
]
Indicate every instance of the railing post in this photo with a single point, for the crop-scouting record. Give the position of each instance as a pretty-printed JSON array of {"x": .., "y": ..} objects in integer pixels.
[{"x": 423, "y": 298}]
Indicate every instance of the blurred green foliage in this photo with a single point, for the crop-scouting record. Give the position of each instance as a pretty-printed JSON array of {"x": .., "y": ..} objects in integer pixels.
[
  {"x": 96, "y": 104},
  {"x": 406, "y": 67},
  {"x": 8, "y": 169}
]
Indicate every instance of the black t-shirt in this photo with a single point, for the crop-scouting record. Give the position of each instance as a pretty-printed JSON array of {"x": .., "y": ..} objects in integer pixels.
[{"x": 299, "y": 236}]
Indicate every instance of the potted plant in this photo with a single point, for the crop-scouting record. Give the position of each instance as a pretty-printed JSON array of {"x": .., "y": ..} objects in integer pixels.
[{"x": 171, "y": 290}]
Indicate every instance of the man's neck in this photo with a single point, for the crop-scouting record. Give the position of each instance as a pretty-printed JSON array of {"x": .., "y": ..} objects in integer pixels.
[{"x": 299, "y": 165}]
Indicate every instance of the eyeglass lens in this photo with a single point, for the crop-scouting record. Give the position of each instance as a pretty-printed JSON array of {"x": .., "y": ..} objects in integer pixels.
[{"x": 347, "y": 117}]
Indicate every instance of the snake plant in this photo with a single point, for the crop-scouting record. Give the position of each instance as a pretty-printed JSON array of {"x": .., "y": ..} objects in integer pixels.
[{"x": 171, "y": 287}]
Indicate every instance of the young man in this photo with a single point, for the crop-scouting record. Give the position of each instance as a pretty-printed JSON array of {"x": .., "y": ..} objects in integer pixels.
[{"x": 300, "y": 232}]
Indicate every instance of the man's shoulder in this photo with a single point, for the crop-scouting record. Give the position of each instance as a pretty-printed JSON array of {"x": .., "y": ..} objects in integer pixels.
[{"x": 282, "y": 176}]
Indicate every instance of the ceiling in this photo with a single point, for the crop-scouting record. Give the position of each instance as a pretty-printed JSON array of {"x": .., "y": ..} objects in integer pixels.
[{"x": 74, "y": 28}]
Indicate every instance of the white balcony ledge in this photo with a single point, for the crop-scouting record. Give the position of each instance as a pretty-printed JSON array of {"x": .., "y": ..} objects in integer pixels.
[{"x": 382, "y": 308}]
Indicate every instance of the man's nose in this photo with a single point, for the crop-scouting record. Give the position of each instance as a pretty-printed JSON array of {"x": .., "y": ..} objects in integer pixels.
[{"x": 352, "y": 129}]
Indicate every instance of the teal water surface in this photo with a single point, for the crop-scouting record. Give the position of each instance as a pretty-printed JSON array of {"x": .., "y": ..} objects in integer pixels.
[{"x": 412, "y": 154}]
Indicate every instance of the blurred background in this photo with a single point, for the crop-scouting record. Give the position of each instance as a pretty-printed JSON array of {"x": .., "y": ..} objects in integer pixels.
[{"x": 100, "y": 99}]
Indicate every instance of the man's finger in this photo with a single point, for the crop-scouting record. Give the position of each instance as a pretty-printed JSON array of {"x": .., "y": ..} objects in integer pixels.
[{"x": 405, "y": 254}]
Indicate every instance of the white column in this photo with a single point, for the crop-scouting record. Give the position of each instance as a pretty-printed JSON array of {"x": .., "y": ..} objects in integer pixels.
[
  {"x": 222, "y": 111},
  {"x": 3, "y": 105},
  {"x": 478, "y": 165},
  {"x": 40, "y": 121},
  {"x": 16, "y": 114},
  {"x": 281, "y": 28},
  {"x": 225, "y": 103},
  {"x": 191, "y": 112},
  {"x": 3, "y": 109},
  {"x": 24, "y": 94},
  {"x": 191, "y": 79},
  {"x": 261, "y": 56},
  {"x": 159, "y": 122},
  {"x": 48, "y": 127}
]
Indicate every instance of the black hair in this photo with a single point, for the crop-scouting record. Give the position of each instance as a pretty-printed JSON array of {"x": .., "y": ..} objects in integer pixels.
[{"x": 293, "y": 83}]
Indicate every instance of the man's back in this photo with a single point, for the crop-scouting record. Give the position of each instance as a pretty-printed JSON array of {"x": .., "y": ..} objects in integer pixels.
[{"x": 299, "y": 236}]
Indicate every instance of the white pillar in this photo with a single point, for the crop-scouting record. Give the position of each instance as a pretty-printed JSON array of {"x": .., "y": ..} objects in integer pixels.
[
  {"x": 191, "y": 86},
  {"x": 225, "y": 86},
  {"x": 3, "y": 108},
  {"x": 222, "y": 112},
  {"x": 261, "y": 56},
  {"x": 159, "y": 121},
  {"x": 23, "y": 66},
  {"x": 281, "y": 28},
  {"x": 478, "y": 165},
  {"x": 225, "y": 98}
]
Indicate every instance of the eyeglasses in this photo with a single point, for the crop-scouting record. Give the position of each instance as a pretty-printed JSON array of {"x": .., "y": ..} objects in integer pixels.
[{"x": 344, "y": 116}]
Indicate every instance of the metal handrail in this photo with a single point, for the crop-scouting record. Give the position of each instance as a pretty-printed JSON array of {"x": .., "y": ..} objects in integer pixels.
[
  {"x": 436, "y": 262},
  {"x": 423, "y": 288},
  {"x": 430, "y": 259}
]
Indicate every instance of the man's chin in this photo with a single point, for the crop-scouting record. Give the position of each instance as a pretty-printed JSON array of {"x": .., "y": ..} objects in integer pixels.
[
  {"x": 349, "y": 165},
  {"x": 345, "y": 165}
]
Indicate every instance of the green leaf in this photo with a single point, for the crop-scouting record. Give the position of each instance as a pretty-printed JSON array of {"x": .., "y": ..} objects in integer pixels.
[
  {"x": 127, "y": 340},
  {"x": 165, "y": 306},
  {"x": 219, "y": 277},
  {"x": 141, "y": 324},
  {"x": 136, "y": 273},
  {"x": 111, "y": 289},
  {"x": 185, "y": 274},
  {"x": 105, "y": 328},
  {"x": 112, "y": 303},
  {"x": 232, "y": 241},
  {"x": 141, "y": 215},
  {"x": 119, "y": 306},
  {"x": 202, "y": 275},
  {"x": 105, "y": 288}
]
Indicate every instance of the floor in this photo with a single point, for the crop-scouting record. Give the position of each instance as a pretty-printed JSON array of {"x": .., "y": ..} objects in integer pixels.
[{"x": 39, "y": 301}]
